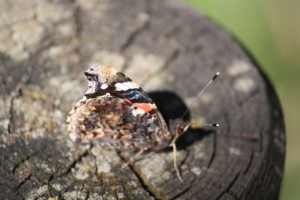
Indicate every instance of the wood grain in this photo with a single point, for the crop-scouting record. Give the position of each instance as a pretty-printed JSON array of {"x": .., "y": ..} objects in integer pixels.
[{"x": 172, "y": 51}]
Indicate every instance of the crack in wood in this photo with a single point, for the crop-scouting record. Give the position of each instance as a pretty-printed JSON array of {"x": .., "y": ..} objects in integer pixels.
[
  {"x": 26, "y": 159},
  {"x": 87, "y": 196},
  {"x": 214, "y": 150},
  {"x": 50, "y": 195},
  {"x": 16, "y": 93},
  {"x": 23, "y": 182},
  {"x": 139, "y": 177},
  {"x": 182, "y": 192},
  {"x": 74, "y": 162},
  {"x": 250, "y": 163},
  {"x": 133, "y": 35},
  {"x": 186, "y": 156},
  {"x": 11, "y": 116},
  {"x": 77, "y": 20},
  {"x": 227, "y": 189},
  {"x": 166, "y": 65}
]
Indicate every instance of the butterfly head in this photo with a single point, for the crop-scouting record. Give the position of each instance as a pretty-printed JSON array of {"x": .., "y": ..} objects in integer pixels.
[
  {"x": 92, "y": 77},
  {"x": 178, "y": 127},
  {"x": 100, "y": 78}
]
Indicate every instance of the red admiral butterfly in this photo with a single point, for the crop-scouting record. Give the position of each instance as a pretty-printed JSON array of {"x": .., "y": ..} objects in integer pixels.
[{"x": 116, "y": 113}]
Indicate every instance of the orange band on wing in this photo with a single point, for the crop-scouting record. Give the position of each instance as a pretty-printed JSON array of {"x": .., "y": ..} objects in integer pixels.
[
  {"x": 127, "y": 100},
  {"x": 144, "y": 106}
]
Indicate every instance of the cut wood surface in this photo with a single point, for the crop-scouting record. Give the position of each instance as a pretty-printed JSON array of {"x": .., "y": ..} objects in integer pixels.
[{"x": 170, "y": 49}]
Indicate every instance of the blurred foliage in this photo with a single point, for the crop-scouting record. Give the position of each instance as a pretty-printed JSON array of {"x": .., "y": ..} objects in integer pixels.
[{"x": 270, "y": 30}]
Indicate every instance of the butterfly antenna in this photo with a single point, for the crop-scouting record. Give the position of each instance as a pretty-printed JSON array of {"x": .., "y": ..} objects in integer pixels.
[
  {"x": 211, "y": 125},
  {"x": 199, "y": 94}
]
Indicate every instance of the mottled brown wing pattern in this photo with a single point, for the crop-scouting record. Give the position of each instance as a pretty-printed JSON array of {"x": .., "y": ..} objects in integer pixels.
[{"x": 112, "y": 123}]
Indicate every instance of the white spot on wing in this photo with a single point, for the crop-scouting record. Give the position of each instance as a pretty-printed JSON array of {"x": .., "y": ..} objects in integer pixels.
[
  {"x": 137, "y": 111},
  {"x": 126, "y": 86},
  {"x": 120, "y": 87},
  {"x": 104, "y": 86}
]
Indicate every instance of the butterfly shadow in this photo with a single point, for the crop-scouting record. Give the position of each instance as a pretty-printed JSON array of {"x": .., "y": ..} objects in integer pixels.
[{"x": 171, "y": 106}]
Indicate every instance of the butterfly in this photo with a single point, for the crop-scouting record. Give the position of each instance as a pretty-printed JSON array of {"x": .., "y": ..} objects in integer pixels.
[{"x": 116, "y": 113}]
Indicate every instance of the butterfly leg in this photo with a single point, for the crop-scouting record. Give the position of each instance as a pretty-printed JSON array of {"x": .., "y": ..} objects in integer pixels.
[
  {"x": 175, "y": 161},
  {"x": 130, "y": 161},
  {"x": 173, "y": 143}
]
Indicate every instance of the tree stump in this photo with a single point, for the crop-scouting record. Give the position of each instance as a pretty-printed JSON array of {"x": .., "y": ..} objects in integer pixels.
[{"x": 172, "y": 51}]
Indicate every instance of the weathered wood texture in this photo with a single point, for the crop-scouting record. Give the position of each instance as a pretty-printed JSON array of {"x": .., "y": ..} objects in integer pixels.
[{"x": 169, "y": 48}]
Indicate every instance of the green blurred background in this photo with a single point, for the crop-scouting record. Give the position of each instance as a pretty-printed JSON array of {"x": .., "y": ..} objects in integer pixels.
[{"x": 270, "y": 30}]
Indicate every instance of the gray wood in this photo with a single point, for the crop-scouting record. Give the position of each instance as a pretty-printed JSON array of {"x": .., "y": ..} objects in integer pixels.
[{"x": 172, "y": 51}]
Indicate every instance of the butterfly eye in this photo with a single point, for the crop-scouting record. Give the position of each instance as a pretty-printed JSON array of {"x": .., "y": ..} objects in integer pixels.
[
  {"x": 88, "y": 75},
  {"x": 89, "y": 72},
  {"x": 91, "y": 75}
]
